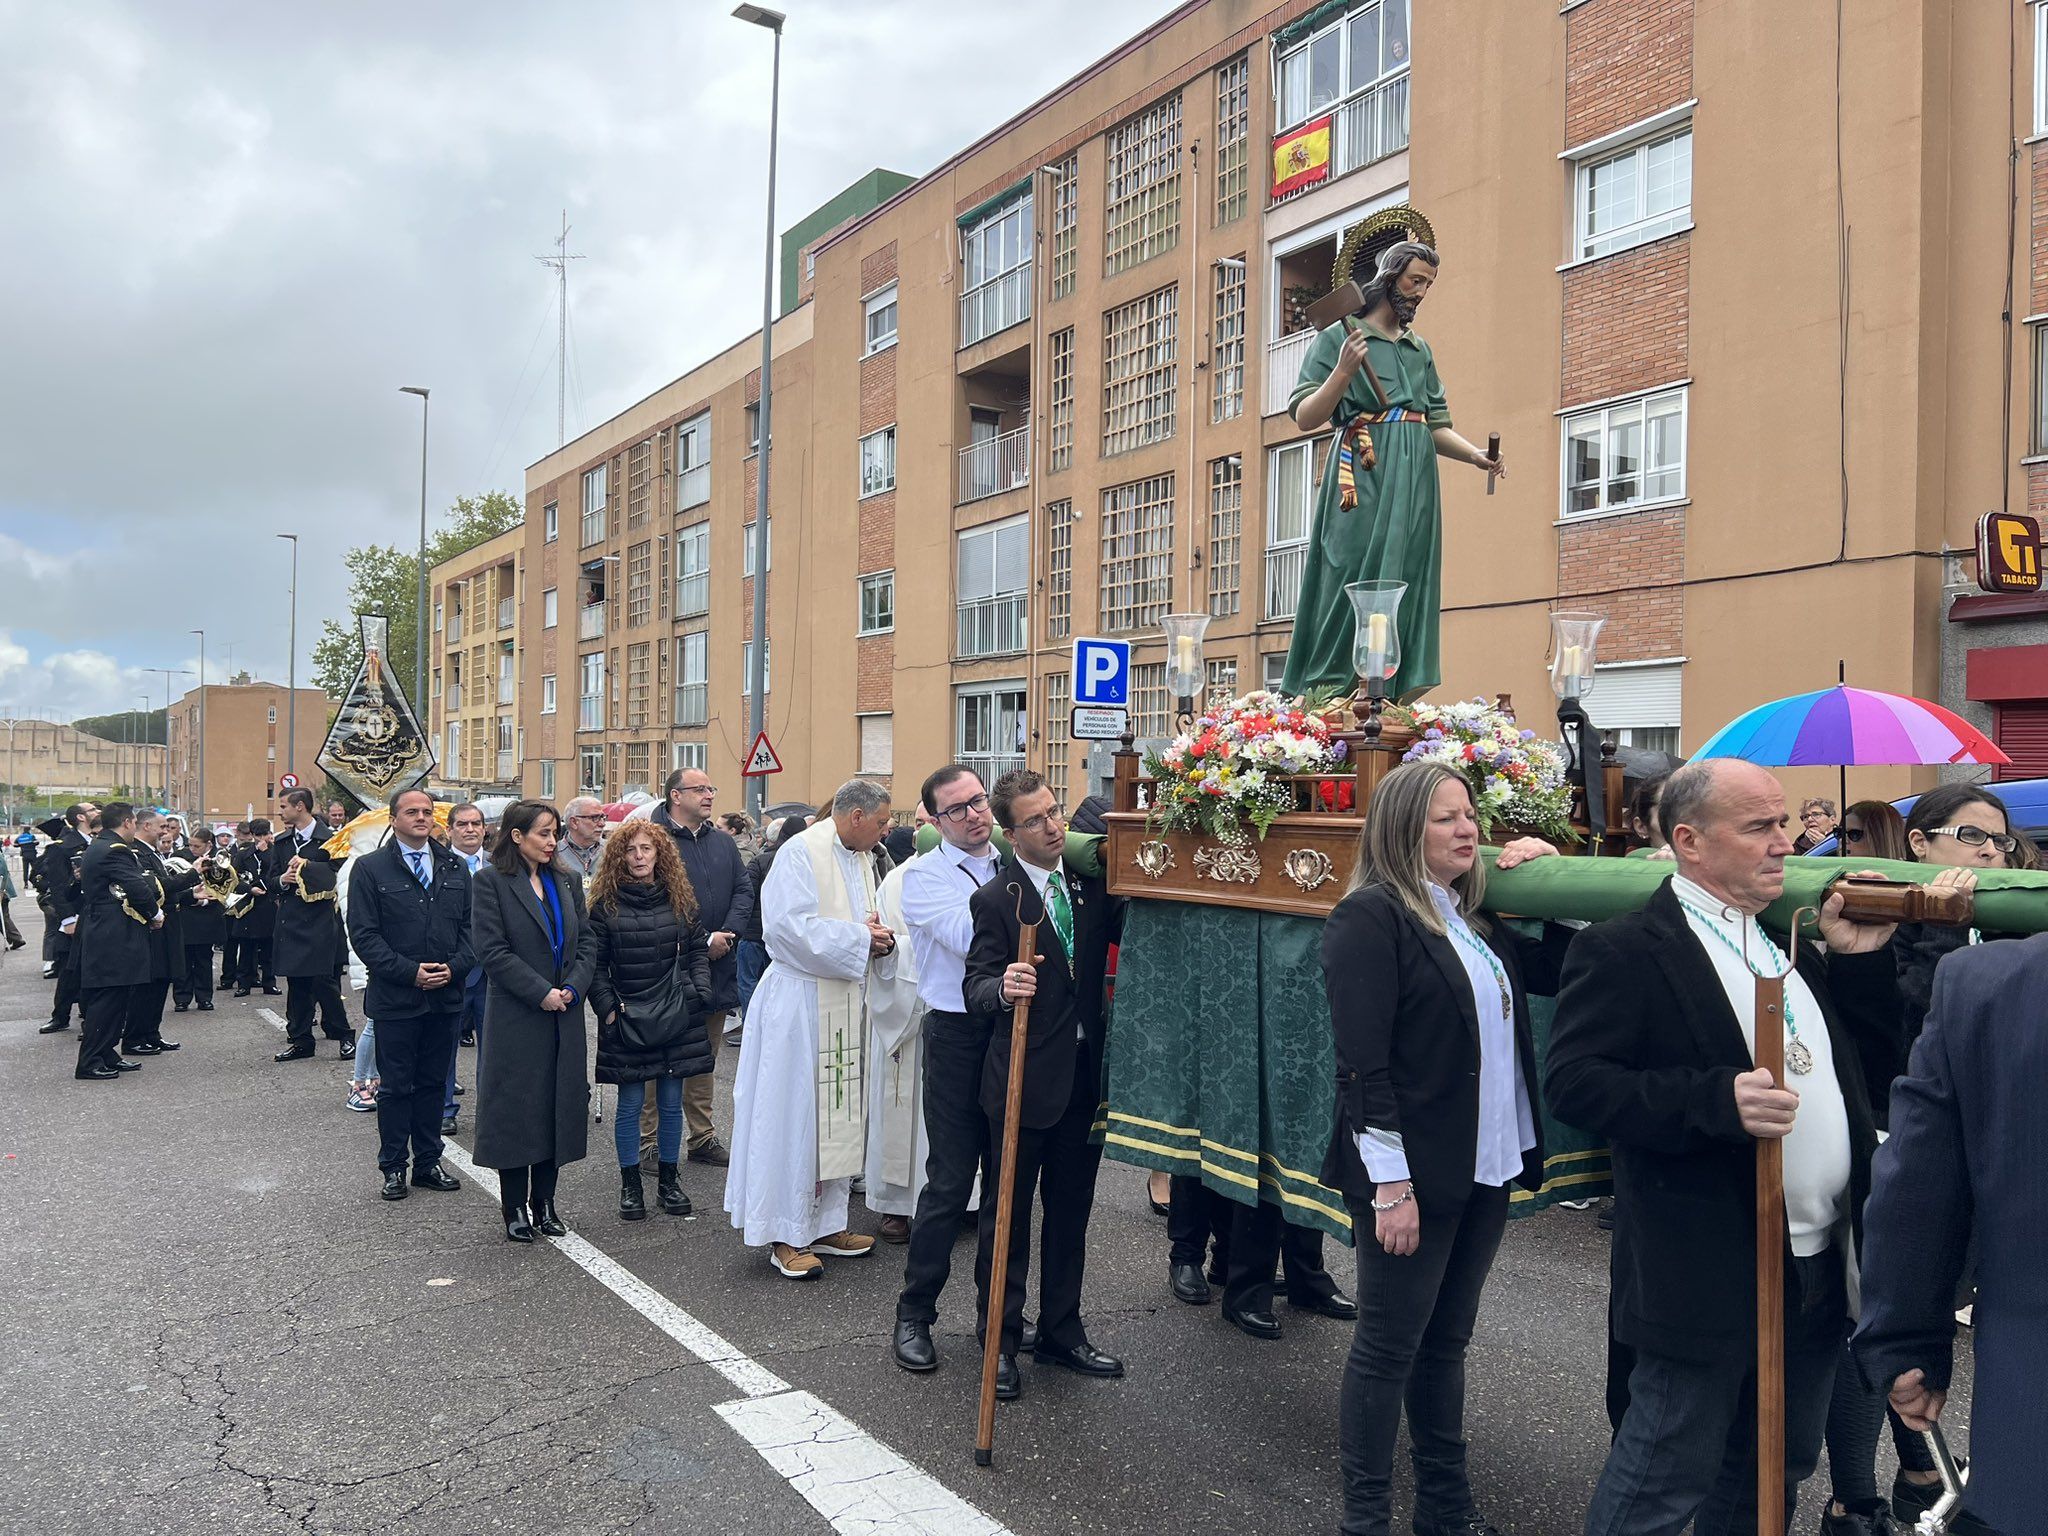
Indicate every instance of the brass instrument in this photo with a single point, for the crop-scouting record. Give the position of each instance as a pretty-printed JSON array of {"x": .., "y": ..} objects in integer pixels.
[{"x": 226, "y": 884}]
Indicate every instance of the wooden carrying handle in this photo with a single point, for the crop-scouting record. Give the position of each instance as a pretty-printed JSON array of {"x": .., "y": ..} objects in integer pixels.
[
  {"x": 1006, "y": 1196},
  {"x": 1876, "y": 899}
]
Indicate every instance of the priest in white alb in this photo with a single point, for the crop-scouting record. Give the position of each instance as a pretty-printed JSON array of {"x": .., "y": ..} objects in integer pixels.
[
  {"x": 896, "y": 1140},
  {"x": 800, "y": 1096}
]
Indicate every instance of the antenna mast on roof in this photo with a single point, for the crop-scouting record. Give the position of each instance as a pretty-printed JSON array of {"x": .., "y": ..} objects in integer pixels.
[{"x": 560, "y": 262}]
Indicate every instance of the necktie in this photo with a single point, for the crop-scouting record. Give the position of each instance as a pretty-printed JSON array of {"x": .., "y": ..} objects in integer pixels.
[
  {"x": 418, "y": 856},
  {"x": 1062, "y": 913}
]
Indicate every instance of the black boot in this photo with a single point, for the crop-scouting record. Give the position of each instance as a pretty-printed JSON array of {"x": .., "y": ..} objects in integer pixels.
[
  {"x": 669, "y": 1192},
  {"x": 517, "y": 1227},
  {"x": 545, "y": 1221},
  {"x": 632, "y": 1200}
]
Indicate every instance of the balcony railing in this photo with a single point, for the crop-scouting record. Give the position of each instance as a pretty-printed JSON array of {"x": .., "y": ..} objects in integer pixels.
[
  {"x": 455, "y": 625},
  {"x": 590, "y": 621},
  {"x": 694, "y": 489},
  {"x": 504, "y": 613},
  {"x": 590, "y": 713},
  {"x": 995, "y": 305},
  {"x": 994, "y": 626},
  {"x": 693, "y": 594},
  {"x": 455, "y": 696},
  {"x": 990, "y": 766},
  {"x": 1369, "y": 126},
  {"x": 1284, "y": 567},
  {"x": 693, "y": 703},
  {"x": 995, "y": 465},
  {"x": 505, "y": 693},
  {"x": 1283, "y": 368},
  {"x": 508, "y": 767}
]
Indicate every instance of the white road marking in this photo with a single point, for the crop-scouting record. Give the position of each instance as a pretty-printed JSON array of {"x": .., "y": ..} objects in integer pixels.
[
  {"x": 273, "y": 1015},
  {"x": 860, "y": 1485}
]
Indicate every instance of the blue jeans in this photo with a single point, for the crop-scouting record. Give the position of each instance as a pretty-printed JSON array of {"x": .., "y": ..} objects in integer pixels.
[
  {"x": 753, "y": 960},
  {"x": 668, "y": 1099},
  {"x": 366, "y": 1052}
]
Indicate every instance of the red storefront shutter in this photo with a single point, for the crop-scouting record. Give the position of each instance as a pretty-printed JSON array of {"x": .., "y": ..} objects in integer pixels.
[{"x": 2021, "y": 731}]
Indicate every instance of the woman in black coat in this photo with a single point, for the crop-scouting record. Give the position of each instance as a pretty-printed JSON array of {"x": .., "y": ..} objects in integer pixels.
[
  {"x": 650, "y": 982},
  {"x": 1436, "y": 1117},
  {"x": 537, "y": 949}
]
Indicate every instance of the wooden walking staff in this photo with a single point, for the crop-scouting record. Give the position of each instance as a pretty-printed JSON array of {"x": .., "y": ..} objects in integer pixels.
[
  {"x": 1770, "y": 1271},
  {"x": 1006, "y": 1193}
]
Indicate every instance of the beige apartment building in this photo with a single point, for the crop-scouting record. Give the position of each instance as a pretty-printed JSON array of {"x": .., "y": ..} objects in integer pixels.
[
  {"x": 248, "y": 743},
  {"x": 63, "y": 760},
  {"x": 473, "y": 667},
  {"x": 1744, "y": 339}
]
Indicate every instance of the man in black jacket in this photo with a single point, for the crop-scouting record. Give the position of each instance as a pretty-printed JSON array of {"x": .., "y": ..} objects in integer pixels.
[
  {"x": 58, "y": 891},
  {"x": 202, "y": 924},
  {"x": 408, "y": 919},
  {"x": 306, "y": 944},
  {"x": 118, "y": 908},
  {"x": 1652, "y": 1049},
  {"x": 725, "y": 908},
  {"x": 143, "y": 1033},
  {"x": 1062, "y": 1068},
  {"x": 257, "y": 925}
]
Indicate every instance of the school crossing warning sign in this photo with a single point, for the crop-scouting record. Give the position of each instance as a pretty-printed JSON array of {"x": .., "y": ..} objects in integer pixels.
[{"x": 762, "y": 759}]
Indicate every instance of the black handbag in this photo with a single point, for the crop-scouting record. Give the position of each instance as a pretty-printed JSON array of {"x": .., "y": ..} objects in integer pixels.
[{"x": 655, "y": 1019}]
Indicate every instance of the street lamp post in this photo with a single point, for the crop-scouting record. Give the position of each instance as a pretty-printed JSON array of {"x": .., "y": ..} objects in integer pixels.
[
  {"x": 168, "y": 673},
  {"x": 203, "y": 813},
  {"x": 757, "y": 680},
  {"x": 419, "y": 660},
  {"x": 291, "y": 669},
  {"x": 141, "y": 758}
]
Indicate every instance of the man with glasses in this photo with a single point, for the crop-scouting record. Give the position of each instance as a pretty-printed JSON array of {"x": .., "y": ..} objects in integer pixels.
[
  {"x": 1062, "y": 1070},
  {"x": 725, "y": 905},
  {"x": 582, "y": 835},
  {"x": 466, "y": 840},
  {"x": 954, "y": 1045}
]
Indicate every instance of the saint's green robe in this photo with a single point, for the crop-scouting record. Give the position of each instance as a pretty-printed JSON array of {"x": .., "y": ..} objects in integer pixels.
[{"x": 1395, "y": 533}]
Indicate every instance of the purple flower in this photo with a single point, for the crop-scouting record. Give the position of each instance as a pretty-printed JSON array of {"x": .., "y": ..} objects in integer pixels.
[
  {"x": 1432, "y": 734},
  {"x": 1339, "y": 751},
  {"x": 1528, "y": 735}
]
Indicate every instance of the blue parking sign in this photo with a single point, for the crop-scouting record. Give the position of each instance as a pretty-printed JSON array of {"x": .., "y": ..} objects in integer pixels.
[{"x": 1102, "y": 672}]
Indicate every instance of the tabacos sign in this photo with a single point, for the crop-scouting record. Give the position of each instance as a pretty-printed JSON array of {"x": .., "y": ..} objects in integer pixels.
[{"x": 2009, "y": 553}]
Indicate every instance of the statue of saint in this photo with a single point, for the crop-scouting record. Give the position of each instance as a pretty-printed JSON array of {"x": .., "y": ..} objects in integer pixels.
[{"x": 1378, "y": 512}]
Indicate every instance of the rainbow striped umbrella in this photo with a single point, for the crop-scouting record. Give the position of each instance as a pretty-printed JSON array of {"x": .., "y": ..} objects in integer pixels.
[{"x": 1842, "y": 726}]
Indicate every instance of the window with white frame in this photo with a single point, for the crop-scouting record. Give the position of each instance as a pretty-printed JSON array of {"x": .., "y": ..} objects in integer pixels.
[
  {"x": 693, "y": 462},
  {"x": 878, "y": 745},
  {"x": 1290, "y": 505},
  {"x": 590, "y": 693},
  {"x": 753, "y": 417},
  {"x": 693, "y": 570},
  {"x": 878, "y": 312},
  {"x": 995, "y": 266},
  {"x": 1343, "y": 60},
  {"x": 1226, "y": 336},
  {"x": 547, "y": 778},
  {"x": 878, "y": 603},
  {"x": 2038, "y": 438},
  {"x": 547, "y": 693},
  {"x": 594, "y": 505},
  {"x": 1059, "y": 419},
  {"x": 1233, "y": 139},
  {"x": 2041, "y": 68},
  {"x": 1142, "y": 178},
  {"x": 810, "y": 265},
  {"x": 690, "y": 754},
  {"x": 1059, "y": 733},
  {"x": 549, "y": 610},
  {"x": 1272, "y": 668},
  {"x": 1625, "y": 453},
  {"x": 551, "y": 522},
  {"x": 747, "y": 667},
  {"x": 1059, "y": 570},
  {"x": 1137, "y": 554},
  {"x": 590, "y": 771},
  {"x": 1140, "y": 371},
  {"x": 747, "y": 547},
  {"x": 989, "y": 728},
  {"x": 1635, "y": 195},
  {"x": 1150, "y": 707},
  {"x": 454, "y": 763},
  {"x": 1066, "y": 225},
  {"x": 877, "y": 462},
  {"x": 1226, "y": 534},
  {"x": 992, "y": 576},
  {"x": 1221, "y": 683},
  {"x": 1637, "y": 704},
  {"x": 693, "y": 678}
]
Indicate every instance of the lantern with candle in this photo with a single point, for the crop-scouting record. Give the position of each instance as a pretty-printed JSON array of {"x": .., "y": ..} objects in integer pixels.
[
  {"x": 1185, "y": 677},
  {"x": 1375, "y": 646},
  {"x": 1574, "y": 637}
]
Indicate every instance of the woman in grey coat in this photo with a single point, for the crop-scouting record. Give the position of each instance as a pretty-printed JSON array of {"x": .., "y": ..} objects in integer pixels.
[{"x": 538, "y": 950}]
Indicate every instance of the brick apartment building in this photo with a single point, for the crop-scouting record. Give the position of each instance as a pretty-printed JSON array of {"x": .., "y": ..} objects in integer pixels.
[
  {"x": 248, "y": 744},
  {"x": 473, "y": 666},
  {"x": 1741, "y": 334}
]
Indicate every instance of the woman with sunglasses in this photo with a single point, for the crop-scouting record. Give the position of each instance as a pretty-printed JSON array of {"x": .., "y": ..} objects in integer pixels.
[
  {"x": 1962, "y": 828},
  {"x": 1871, "y": 829}
]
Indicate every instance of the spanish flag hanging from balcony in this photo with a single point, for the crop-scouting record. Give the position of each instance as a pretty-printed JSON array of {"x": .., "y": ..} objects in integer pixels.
[{"x": 1301, "y": 156}]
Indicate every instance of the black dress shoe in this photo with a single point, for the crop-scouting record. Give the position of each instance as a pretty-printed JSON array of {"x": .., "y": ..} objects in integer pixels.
[
  {"x": 348, "y": 1049},
  {"x": 1471, "y": 1525},
  {"x": 54, "y": 1028},
  {"x": 295, "y": 1053},
  {"x": 271, "y": 991},
  {"x": 167, "y": 1045},
  {"x": 96, "y": 1074},
  {"x": 241, "y": 991},
  {"x": 1027, "y": 1338},
  {"x": 394, "y": 1184},
  {"x": 913, "y": 1347},
  {"x": 180, "y": 1007},
  {"x": 517, "y": 1228},
  {"x": 460, "y": 1091},
  {"x": 433, "y": 1176},
  {"x": 125, "y": 1066},
  {"x": 1009, "y": 1385},
  {"x": 1336, "y": 1305},
  {"x": 469, "y": 1037},
  {"x": 1260, "y": 1325},
  {"x": 449, "y": 1125},
  {"x": 142, "y": 1048},
  {"x": 547, "y": 1220},
  {"x": 1189, "y": 1286},
  {"x": 204, "y": 1007},
  {"x": 1083, "y": 1358}
]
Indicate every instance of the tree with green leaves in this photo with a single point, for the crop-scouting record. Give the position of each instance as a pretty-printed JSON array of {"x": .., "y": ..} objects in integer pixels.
[
  {"x": 128, "y": 726},
  {"x": 384, "y": 579}
]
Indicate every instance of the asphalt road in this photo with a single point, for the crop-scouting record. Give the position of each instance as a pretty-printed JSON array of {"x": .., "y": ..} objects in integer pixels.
[{"x": 211, "y": 1323}]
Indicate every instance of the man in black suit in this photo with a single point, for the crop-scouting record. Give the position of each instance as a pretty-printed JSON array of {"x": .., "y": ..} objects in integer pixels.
[
  {"x": 257, "y": 925},
  {"x": 306, "y": 944},
  {"x": 57, "y": 887},
  {"x": 1652, "y": 1049},
  {"x": 408, "y": 918},
  {"x": 202, "y": 924},
  {"x": 143, "y": 1033},
  {"x": 1062, "y": 1069},
  {"x": 1964, "y": 1161},
  {"x": 118, "y": 908}
]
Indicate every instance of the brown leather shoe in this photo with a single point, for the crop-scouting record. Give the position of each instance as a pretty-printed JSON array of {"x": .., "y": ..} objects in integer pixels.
[{"x": 895, "y": 1229}]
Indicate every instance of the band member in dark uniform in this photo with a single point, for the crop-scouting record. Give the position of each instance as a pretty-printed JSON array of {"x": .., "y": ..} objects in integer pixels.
[
  {"x": 307, "y": 949},
  {"x": 230, "y": 959},
  {"x": 143, "y": 1034},
  {"x": 255, "y": 927},
  {"x": 203, "y": 925},
  {"x": 57, "y": 890},
  {"x": 117, "y": 910}
]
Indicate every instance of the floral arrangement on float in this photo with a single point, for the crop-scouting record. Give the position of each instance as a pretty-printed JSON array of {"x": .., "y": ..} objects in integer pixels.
[
  {"x": 1518, "y": 780},
  {"x": 1231, "y": 774}
]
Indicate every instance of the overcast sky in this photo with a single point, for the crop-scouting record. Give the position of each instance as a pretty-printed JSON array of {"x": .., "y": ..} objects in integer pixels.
[{"x": 232, "y": 231}]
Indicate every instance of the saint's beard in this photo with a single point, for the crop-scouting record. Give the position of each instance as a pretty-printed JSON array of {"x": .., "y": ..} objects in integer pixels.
[{"x": 1405, "y": 306}]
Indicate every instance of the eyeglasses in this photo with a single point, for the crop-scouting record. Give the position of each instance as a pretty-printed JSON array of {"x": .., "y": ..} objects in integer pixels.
[
  {"x": 698, "y": 789},
  {"x": 959, "y": 813},
  {"x": 1977, "y": 837},
  {"x": 1043, "y": 819},
  {"x": 588, "y": 816}
]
